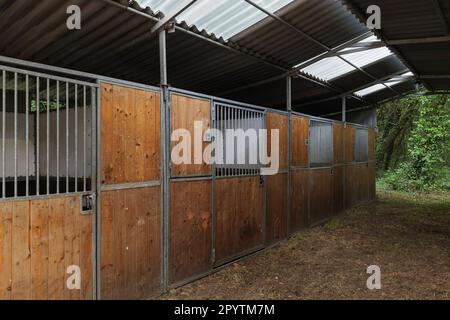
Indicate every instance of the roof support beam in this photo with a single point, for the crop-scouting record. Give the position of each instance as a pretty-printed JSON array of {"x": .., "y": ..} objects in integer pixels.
[
  {"x": 350, "y": 93},
  {"x": 310, "y": 38},
  {"x": 363, "y": 18},
  {"x": 182, "y": 6},
  {"x": 430, "y": 40},
  {"x": 330, "y": 54}
]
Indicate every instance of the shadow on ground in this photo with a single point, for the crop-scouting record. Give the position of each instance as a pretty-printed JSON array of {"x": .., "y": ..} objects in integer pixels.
[{"x": 407, "y": 235}]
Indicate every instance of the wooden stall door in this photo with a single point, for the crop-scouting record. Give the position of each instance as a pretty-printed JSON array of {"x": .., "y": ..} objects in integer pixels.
[
  {"x": 190, "y": 229},
  {"x": 277, "y": 208},
  {"x": 42, "y": 243},
  {"x": 300, "y": 135},
  {"x": 299, "y": 201},
  {"x": 185, "y": 111},
  {"x": 280, "y": 122},
  {"x": 321, "y": 195},
  {"x": 240, "y": 218},
  {"x": 130, "y": 262}
]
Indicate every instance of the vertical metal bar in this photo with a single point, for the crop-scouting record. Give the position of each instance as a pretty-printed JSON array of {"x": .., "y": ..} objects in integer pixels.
[
  {"x": 15, "y": 134},
  {"x": 67, "y": 137},
  {"x": 233, "y": 171},
  {"x": 84, "y": 137},
  {"x": 165, "y": 174},
  {"x": 289, "y": 155},
  {"x": 57, "y": 137},
  {"x": 98, "y": 216},
  {"x": 38, "y": 107},
  {"x": 344, "y": 109},
  {"x": 76, "y": 138},
  {"x": 27, "y": 136},
  {"x": 3, "y": 133},
  {"x": 222, "y": 130},
  {"x": 48, "y": 136}
]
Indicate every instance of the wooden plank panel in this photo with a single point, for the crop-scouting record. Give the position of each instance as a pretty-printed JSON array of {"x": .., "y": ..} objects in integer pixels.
[
  {"x": 299, "y": 198},
  {"x": 190, "y": 229},
  {"x": 357, "y": 184},
  {"x": 184, "y": 112},
  {"x": 131, "y": 243},
  {"x": 43, "y": 237},
  {"x": 300, "y": 135},
  {"x": 349, "y": 144},
  {"x": 321, "y": 195},
  {"x": 338, "y": 143},
  {"x": 39, "y": 249},
  {"x": 338, "y": 194},
  {"x": 371, "y": 144},
  {"x": 6, "y": 213},
  {"x": 240, "y": 216},
  {"x": 21, "y": 251},
  {"x": 277, "y": 208},
  {"x": 56, "y": 266},
  {"x": 71, "y": 243},
  {"x": 130, "y": 134},
  {"x": 372, "y": 172},
  {"x": 86, "y": 229},
  {"x": 280, "y": 122}
]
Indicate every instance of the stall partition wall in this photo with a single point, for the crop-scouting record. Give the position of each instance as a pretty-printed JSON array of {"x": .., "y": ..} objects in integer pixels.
[
  {"x": 191, "y": 200},
  {"x": 47, "y": 166},
  {"x": 130, "y": 200},
  {"x": 216, "y": 214}
]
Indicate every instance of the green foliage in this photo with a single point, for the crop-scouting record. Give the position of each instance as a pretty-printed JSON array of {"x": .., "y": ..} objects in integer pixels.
[
  {"x": 43, "y": 105},
  {"x": 425, "y": 164}
]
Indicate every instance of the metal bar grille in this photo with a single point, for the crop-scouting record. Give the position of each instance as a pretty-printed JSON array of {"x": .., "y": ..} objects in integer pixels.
[
  {"x": 236, "y": 123},
  {"x": 361, "y": 145},
  {"x": 46, "y": 134},
  {"x": 320, "y": 143}
]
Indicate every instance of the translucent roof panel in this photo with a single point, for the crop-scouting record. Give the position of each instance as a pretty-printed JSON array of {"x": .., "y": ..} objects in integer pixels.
[
  {"x": 378, "y": 87},
  {"x": 334, "y": 67},
  {"x": 224, "y": 18}
]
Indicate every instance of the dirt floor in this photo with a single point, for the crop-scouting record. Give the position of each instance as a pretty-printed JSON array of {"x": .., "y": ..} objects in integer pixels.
[{"x": 407, "y": 235}]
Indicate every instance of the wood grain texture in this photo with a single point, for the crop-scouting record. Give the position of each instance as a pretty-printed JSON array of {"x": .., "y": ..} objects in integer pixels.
[
  {"x": 277, "y": 208},
  {"x": 190, "y": 229},
  {"x": 21, "y": 251},
  {"x": 357, "y": 185},
  {"x": 338, "y": 143},
  {"x": 6, "y": 217},
  {"x": 184, "y": 112},
  {"x": 39, "y": 240},
  {"x": 338, "y": 193},
  {"x": 300, "y": 135},
  {"x": 349, "y": 143},
  {"x": 372, "y": 176},
  {"x": 240, "y": 217},
  {"x": 299, "y": 196},
  {"x": 130, "y": 133},
  {"x": 131, "y": 243},
  {"x": 280, "y": 122},
  {"x": 321, "y": 195}
]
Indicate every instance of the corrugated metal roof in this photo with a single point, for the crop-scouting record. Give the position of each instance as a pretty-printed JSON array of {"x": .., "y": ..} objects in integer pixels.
[
  {"x": 224, "y": 18},
  {"x": 118, "y": 43},
  {"x": 415, "y": 19},
  {"x": 334, "y": 67}
]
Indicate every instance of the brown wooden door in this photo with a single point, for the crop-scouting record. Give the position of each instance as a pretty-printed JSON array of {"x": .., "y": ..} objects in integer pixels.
[{"x": 130, "y": 261}]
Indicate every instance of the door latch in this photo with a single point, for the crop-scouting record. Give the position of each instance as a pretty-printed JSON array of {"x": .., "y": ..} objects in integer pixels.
[{"x": 87, "y": 203}]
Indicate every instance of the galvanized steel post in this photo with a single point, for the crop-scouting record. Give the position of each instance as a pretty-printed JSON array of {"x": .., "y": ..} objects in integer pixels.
[
  {"x": 289, "y": 182},
  {"x": 165, "y": 160}
]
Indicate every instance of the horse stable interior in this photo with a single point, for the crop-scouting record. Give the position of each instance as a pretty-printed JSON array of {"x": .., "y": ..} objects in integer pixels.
[{"x": 87, "y": 180}]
